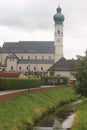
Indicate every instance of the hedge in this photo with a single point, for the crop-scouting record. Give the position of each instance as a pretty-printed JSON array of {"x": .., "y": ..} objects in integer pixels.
[
  {"x": 14, "y": 84},
  {"x": 54, "y": 80}
]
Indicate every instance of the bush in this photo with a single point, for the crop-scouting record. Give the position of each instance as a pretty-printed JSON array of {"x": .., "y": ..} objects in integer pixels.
[
  {"x": 54, "y": 80},
  {"x": 14, "y": 84}
]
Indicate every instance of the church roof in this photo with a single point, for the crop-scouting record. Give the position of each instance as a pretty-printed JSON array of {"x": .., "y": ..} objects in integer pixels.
[
  {"x": 28, "y": 47},
  {"x": 63, "y": 65}
]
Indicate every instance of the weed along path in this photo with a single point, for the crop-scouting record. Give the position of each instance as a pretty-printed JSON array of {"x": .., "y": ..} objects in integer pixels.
[{"x": 61, "y": 120}]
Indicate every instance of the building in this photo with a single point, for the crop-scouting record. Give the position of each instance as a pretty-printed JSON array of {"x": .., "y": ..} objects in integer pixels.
[
  {"x": 63, "y": 67},
  {"x": 6, "y": 74},
  {"x": 34, "y": 56}
]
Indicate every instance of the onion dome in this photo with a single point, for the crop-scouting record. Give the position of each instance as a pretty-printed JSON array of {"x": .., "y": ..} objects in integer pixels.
[{"x": 59, "y": 17}]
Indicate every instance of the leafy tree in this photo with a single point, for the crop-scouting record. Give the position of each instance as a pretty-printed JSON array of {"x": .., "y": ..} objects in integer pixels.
[
  {"x": 0, "y": 63},
  {"x": 81, "y": 74}
]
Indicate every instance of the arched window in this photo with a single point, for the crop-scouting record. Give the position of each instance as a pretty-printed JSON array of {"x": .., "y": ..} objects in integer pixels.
[
  {"x": 49, "y": 57},
  {"x": 21, "y": 57},
  {"x": 11, "y": 67},
  {"x": 41, "y": 68},
  {"x": 28, "y": 57},
  {"x": 34, "y": 68},
  {"x": 27, "y": 68},
  {"x": 58, "y": 31},
  {"x": 42, "y": 57},
  {"x": 35, "y": 57},
  {"x": 20, "y": 68}
]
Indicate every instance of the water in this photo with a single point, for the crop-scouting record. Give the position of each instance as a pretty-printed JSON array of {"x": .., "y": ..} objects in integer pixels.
[
  {"x": 69, "y": 121},
  {"x": 43, "y": 128},
  {"x": 60, "y": 121}
]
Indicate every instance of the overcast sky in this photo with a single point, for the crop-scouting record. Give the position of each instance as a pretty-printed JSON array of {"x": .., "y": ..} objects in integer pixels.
[{"x": 25, "y": 20}]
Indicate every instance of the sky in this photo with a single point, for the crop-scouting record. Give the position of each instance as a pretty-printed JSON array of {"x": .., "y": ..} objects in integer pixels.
[{"x": 30, "y": 20}]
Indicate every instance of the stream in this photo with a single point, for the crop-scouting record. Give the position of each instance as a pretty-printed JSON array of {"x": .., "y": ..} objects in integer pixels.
[{"x": 62, "y": 120}]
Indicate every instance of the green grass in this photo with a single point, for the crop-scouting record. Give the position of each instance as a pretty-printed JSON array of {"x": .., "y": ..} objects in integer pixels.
[
  {"x": 81, "y": 117},
  {"x": 19, "y": 113}
]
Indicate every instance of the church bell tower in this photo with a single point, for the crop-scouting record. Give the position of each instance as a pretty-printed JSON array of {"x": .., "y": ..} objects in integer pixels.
[{"x": 58, "y": 34}]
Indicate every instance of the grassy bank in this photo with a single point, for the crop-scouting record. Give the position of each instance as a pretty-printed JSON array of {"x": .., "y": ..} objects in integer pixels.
[
  {"x": 21, "y": 112},
  {"x": 80, "y": 122}
]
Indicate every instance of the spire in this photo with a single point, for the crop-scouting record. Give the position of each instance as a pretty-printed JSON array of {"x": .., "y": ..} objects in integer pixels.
[
  {"x": 59, "y": 17},
  {"x": 59, "y": 9},
  {"x": 58, "y": 4}
]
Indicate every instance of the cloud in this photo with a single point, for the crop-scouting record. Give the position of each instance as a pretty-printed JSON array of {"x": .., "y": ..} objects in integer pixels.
[
  {"x": 26, "y": 15},
  {"x": 33, "y": 20}
]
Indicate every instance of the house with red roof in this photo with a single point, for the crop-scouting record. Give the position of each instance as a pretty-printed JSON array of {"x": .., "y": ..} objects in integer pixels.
[{"x": 5, "y": 74}]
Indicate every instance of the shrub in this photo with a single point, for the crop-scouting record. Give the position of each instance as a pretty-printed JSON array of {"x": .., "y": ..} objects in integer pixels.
[
  {"x": 54, "y": 80},
  {"x": 14, "y": 84}
]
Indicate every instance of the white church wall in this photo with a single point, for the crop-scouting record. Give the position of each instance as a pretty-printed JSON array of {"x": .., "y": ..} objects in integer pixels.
[
  {"x": 11, "y": 64},
  {"x": 34, "y": 56},
  {"x": 33, "y": 67},
  {"x": 66, "y": 74},
  {"x": 3, "y": 57}
]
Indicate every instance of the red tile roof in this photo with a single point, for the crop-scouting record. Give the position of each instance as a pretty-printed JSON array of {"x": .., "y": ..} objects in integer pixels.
[{"x": 10, "y": 74}]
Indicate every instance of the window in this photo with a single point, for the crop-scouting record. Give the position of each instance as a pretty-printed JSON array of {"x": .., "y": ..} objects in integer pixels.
[
  {"x": 20, "y": 68},
  {"x": 34, "y": 68},
  {"x": 42, "y": 57},
  {"x": 21, "y": 57},
  {"x": 51, "y": 73},
  {"x": 58, "y": 31},
  {"x": 41, "y": 68},
  {"x": 11, "y": 67},
  {"x": 49, "y": 57},
  {"x": 35, "y": 57},
  {"x": 11, "y": 59},
  {"x": 28, "y": 57}
]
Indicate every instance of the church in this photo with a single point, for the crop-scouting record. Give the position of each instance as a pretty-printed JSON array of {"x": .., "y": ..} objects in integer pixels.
[{"x": 34, "y": 56}]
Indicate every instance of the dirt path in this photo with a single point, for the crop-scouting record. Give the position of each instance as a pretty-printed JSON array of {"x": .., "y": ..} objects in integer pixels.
[{"x": 12, "y": 94}]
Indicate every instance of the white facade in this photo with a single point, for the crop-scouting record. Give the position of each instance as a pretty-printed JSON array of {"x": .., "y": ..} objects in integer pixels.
[
  {"x": 58, "y": 34},
  {"x": 13, "y": 64},
  {"x": 58, "y": 41},
  {"x": 66, "y": 74},
  {"x": 34, "y": 56}
]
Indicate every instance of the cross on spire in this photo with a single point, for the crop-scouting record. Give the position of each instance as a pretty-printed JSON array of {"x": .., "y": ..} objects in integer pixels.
[{"x": 58, "y": 3}]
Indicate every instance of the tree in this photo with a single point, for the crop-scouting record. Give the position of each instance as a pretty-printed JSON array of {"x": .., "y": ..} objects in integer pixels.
[
  {"x": 0, "y": 64},
  {"x": 81, "y": 74}
]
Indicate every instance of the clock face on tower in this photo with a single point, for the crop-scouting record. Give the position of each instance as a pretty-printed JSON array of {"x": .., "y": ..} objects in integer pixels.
[{"x": 58, "y": 40}]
